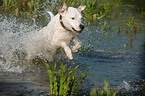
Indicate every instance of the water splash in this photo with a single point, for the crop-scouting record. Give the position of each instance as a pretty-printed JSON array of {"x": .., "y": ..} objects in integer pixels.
[{"x": 11, "y": 49}]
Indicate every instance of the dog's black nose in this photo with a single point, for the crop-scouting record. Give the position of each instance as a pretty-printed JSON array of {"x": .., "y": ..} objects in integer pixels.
[{"x": 82, "y": 26}]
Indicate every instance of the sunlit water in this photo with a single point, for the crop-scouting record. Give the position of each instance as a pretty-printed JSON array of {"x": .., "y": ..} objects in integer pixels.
[{"x": 110, "y": 55}]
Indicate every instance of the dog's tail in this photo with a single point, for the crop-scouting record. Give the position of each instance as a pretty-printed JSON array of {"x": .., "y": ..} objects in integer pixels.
[{"x": 51, "y": 14}]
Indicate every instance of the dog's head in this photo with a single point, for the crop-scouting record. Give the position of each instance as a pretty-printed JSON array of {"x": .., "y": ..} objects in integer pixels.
[{"x": 71, "y": 18}]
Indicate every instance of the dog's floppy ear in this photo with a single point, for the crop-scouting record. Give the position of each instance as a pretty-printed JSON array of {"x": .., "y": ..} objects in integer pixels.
[
  {"x": 63, "y": 9},
  {"x": 81, "y": 8}
]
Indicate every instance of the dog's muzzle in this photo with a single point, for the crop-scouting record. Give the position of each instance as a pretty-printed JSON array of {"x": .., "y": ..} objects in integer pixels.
[
  {"x": 72, "y": 29},
  {"x": 82, "y": 27}
]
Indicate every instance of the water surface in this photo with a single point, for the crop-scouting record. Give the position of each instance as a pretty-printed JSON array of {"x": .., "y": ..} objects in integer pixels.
[{"x": 113, "y": 56}]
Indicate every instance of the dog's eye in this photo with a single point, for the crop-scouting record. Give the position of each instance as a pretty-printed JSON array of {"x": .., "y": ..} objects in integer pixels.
[{"x": 73, "y": 18}]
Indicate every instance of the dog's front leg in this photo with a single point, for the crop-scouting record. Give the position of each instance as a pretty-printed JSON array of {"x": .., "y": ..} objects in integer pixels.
[
  {"x": 67, "y": 50},
  {"x": 77, "y": 45}
]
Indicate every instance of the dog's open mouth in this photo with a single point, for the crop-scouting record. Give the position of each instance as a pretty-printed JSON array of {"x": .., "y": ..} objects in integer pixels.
[{"x": 75, "y": 31}]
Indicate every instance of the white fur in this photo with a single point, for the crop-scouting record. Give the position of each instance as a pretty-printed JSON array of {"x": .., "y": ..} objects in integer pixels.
[{"x": 46, "y": 42}]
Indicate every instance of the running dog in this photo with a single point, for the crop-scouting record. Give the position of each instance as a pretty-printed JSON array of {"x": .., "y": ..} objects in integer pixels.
[{"x": 58, "y": 34}]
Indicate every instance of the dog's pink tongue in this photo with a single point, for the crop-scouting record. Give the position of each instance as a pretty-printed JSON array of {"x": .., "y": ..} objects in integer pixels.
[{"x": 75, "y": 32}]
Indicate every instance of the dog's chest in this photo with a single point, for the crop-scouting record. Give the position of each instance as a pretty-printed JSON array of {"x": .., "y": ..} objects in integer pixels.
[{"x": 63, "y": 36}]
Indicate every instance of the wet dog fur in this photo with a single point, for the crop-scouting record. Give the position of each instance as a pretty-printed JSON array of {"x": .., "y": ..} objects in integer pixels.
[{"x": 58, "y": 34}]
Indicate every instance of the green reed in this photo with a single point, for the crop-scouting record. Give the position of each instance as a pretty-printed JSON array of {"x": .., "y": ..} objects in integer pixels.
[
  {"x": 131, "y": 25},
  {"x": 95, "y": 9},
  {"x": 19, "y": 7},
  {"x": 131, "y": 29},
  {"x": 103, "y": 92},
  {"x": 64, "y": 82}
]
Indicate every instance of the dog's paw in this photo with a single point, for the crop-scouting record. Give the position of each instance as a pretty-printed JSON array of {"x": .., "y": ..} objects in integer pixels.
[
  {"x": 75, "y": 48},
  {"x": 71, "y": 58}
]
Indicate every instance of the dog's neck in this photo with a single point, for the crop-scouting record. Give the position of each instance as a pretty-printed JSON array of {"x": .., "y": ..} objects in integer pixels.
[{"x": 62, "y": 24}]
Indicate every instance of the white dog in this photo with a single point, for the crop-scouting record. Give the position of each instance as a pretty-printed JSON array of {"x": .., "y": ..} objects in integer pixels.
[{"x": 58, "y": 34}]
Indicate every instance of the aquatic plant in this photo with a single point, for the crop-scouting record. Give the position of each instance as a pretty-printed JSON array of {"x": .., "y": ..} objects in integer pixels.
[
  {"x": 118, "y": 4},
  {"x": 7, "y": 4},
  {"x": 89, "y": 12},
  {"x": 19, "y": 7},
  {"x": 105, "y": 92},
  {"x": 64, "y": 83},
  {"x": 131, "y": 28},
  {"x": 130, "y": 21},
  {"x": 131, "y": 24},
  {"x": 104, "y": 25},
  {"x": 103, "y": 10},
  {"x": 142, "y": 14},
  {"x": 96, "y": 9}
]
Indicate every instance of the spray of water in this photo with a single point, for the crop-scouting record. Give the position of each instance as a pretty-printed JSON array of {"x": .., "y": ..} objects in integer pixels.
[{"x": 12, "y": 52}]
